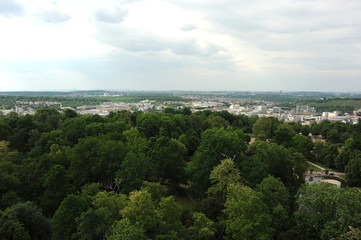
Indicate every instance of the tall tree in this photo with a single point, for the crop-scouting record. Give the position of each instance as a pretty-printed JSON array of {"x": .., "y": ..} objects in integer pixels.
[
  {"x": 168, "y": 159},
  {"x": 64, "y": 219},
  {"x": 222, "y": 176},
  {"x": 29, "y": 220},
  {"x": 263, "y": 128},
  {"x": 57, "y": 187},
  {"x": 216, "y": 144},
  {"x": 247, "y": 216}
]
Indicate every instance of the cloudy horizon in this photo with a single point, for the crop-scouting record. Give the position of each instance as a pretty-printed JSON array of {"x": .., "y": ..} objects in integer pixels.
[{"x": 289, "y": 45}]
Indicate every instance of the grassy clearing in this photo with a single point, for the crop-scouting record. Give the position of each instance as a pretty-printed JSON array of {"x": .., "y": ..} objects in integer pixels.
[
  {"x": 181, "y": 197},
  {"x": 184, "y": 202},
  {"x": 315, "y": 169},
  {"x": 325, "y": 166}
]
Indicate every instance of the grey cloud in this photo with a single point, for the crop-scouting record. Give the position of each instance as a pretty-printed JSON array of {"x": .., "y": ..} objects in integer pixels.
[
  {"x": 188, "y": 27},
  {"x": 194, "y": 48},
  {"x": 11, "y": 8},
  {"x": 54, "y": 16},
  {"x": 116, "y": 15},
  {"x": 287, "y": 16},
  {"x": 135, "y": 41},
  {"x": 181, "y": 47}
]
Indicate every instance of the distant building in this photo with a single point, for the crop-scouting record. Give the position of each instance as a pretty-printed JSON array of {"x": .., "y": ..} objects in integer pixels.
[
  {"x": 261, "y": 109},
  {"x": 277, "y": 110},
  {"x": 357, "y": 113},
  {"x": 234, "y": 106},
  {"x": 305, "y": 109}
]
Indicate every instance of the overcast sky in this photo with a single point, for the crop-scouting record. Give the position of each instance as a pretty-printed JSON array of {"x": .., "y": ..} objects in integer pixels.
[{"x": 257, "y": 45}]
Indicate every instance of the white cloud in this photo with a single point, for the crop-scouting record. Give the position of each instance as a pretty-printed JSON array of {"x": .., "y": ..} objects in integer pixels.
[
  {"x": 270, "y": 45},
  {"x": 11, "y": 8},
  {"x": 188, "y": 27},
  {"x": 115, "y": 15},
  {"x": 54, "y": 16}
]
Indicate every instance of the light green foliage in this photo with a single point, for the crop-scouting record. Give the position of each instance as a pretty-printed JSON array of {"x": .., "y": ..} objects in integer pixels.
[
  {"x": 247, "y": 216},
  {"x": 111, "y": 201},
  {"x": 202, "y": 228},
  {"x": 156, "y": 218},
  {"x": 141, "y": 211},
  {"x": 222, "y": 176},
  {"x": 126, "y": 230},
  {"x": 90, "y": 190},
  {"x": 326, "y": 211},
  {"x": 156, "y": 189},
  {"x": 353, "y": 234},
  {"x": 5, "y": 152}
]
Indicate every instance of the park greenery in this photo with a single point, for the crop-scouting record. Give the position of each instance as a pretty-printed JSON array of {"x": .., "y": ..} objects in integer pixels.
[{"x": 174, "y": 175}]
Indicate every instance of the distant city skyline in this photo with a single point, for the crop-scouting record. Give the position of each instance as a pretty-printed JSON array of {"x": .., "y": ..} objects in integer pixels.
[{"x": 204, "y": 45}]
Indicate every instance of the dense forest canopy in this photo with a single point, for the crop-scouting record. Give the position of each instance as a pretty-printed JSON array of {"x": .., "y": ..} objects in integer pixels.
[{"x": 174, "y": 175}]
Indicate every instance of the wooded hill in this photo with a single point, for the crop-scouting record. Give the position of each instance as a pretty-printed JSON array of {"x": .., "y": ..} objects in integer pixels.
[{"x": 346, "y": 105}]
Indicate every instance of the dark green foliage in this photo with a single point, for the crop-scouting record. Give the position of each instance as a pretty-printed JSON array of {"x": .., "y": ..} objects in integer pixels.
[
  {"x": 263, "y": 128},
  {"x": 353, "y": 171},
  {"x": 93, "y": 224},
  {"x": 57, "y": 187},
  {"x": 64, "y": 219},
  {"x": 216, "y": 144},
  {"x": 46, "y": 119},
  {"x": 95, "y": 160},
  {"x": 24, "y": 221},
  {"x": 284, "y": 134},
  {"x": 273, "y": 159},
  {"x": 168, "y": 159},
  {"x": 133, "y": 175},
  {"x": 302, "y": 144}
]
